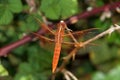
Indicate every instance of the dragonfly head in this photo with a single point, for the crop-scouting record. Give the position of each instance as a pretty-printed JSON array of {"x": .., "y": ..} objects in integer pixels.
[{"x": 62, "y": 24}]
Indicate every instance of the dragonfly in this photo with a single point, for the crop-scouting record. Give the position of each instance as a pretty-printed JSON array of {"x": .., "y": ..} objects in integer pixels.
[{"x": 59, "y": 35}]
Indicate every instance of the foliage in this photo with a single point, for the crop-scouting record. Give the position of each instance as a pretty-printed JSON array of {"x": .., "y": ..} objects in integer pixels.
[
  {"x": 33, "y": 61},
  {"x": 37, "y": 67},
  {"x": 3, "y": 71},
  {"x": 112, "y": 75},
  {"x": 7, "y": 9},
  {"x": 61, "y": 9}
]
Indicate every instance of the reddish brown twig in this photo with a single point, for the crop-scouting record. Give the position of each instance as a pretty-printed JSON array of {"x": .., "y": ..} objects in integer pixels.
[
  {"x": 94, "y": 11},
  {"x": 6, "y": 49}
]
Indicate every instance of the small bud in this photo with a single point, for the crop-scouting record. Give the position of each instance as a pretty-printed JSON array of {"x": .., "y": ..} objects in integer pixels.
[
  {"x": 105, "y": 14},
  {"x": 118, "y": 9},
  {"x": 89, "y": 8}
]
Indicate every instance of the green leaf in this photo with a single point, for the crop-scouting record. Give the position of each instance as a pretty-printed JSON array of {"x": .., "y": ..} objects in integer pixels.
[
  {"x": 98, "y": 76},
  {"x": 100, "y": 54},
  {"x": 114, "y": 74},
  {"x": 68, "y": 8},
  {"x": 7, "y": 8},
  {"x": 55, "y": 9},
  {"x": 100, "y": 3},
  {"x": 31, "y": 23},
  {"x": 3, "y": 71},
  {"x": 15, "y": 6},
  {"x": 38, "y": 66},
  {"x": 28, "y": 77},
  {"x": 114, "y": 38},
  {"x": 45, "y": 60},
  {"x": 99, "y": 51},
  {"x": 102, "y": 25},
  {"x": 5, "y": 16}
]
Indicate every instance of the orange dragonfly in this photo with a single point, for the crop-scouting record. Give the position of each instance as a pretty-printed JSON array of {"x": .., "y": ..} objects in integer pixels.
[{"x": 59, "y": 34}]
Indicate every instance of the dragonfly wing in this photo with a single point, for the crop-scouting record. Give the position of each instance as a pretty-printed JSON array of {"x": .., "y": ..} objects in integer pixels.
[{"x": 84, "y": 34}]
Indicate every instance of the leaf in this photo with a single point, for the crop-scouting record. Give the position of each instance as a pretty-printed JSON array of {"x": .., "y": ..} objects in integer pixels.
[
  {"x": 98, "y": 76},
  {"x": 3, "y": 71},
  {"x": 7, "y": 8},
  {"x": 114, "y": 38},
  {"x": 38, "y": 66},
  {"x": 111, "y": 75},
  {"x": 5, "y": 16},
  {"x": 114, "y": 74},
  {"x": 102, "y": 25},
  {"x": 15, "y": 6},
  {"x": 101, "y": 53},
  {"x": 55, "y": 9},
  {"x": 31, "y": 23},
  {"x": 28, "y": 77},
  {"x": 100, "y": 3},
  {"x": 45, "y": 60},
  {"x": 68, "y": 8}
]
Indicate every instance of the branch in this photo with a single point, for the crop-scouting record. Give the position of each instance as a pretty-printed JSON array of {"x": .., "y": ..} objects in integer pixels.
[
  {"x": 6, "y": 49},
  {"x": 93, "y": 12}
]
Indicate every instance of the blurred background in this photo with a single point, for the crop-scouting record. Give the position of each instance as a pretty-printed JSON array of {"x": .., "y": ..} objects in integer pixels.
[{"x": 33, "y": 60}]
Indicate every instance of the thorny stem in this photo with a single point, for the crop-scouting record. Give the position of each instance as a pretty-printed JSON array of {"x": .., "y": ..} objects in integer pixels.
[
  {"x": 94, "y": 11},
  {"x": 6, "y": 49},
  {"x": 73, "y": 52}
]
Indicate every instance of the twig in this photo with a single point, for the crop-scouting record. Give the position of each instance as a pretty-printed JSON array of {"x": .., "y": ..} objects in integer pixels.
[
  {"x": 68, "y": 75},
  {"x": 94, "y": 11},
  {"x": 109, "y": 31},
  {"x": 82, "y": 44},
  {"x": 6, "y": 49}
]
